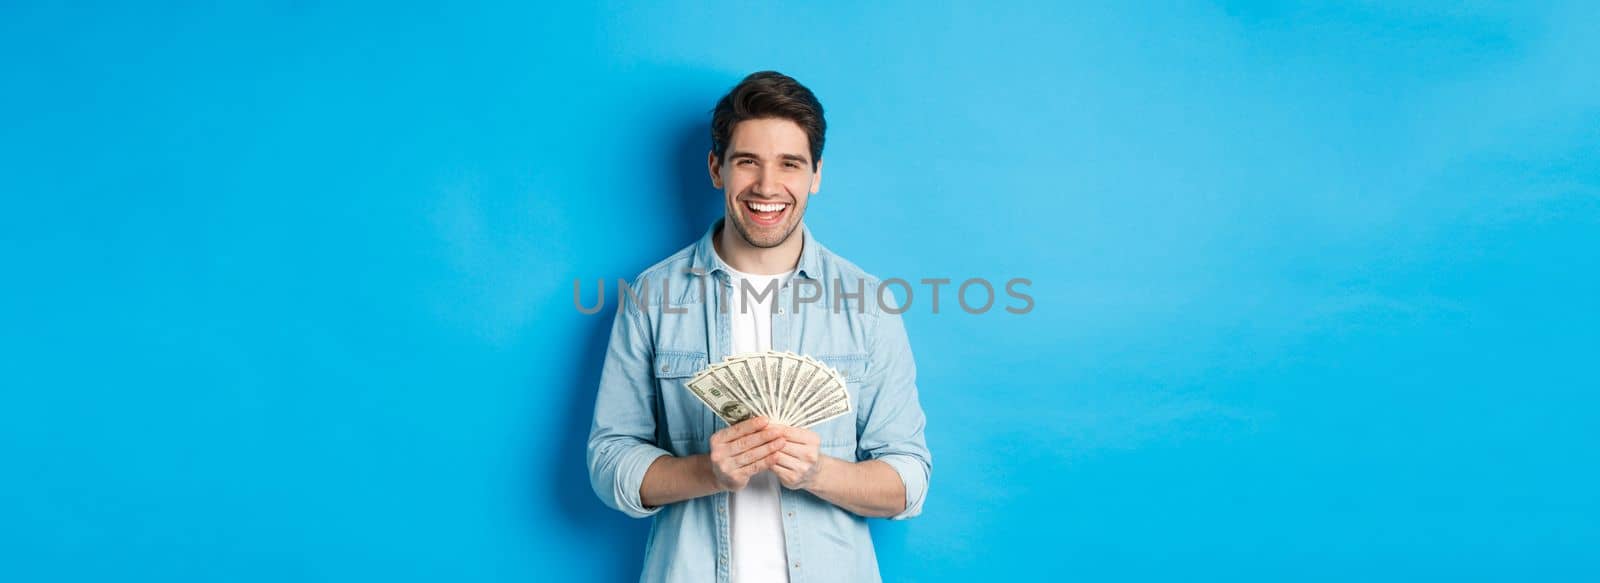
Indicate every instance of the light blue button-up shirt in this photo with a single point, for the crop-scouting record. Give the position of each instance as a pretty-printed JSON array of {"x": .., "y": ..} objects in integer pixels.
[{"x": 644, "y": 411}]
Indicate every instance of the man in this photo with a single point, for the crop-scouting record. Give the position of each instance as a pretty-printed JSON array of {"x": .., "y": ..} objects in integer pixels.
[{"x": 758, "y": 501}]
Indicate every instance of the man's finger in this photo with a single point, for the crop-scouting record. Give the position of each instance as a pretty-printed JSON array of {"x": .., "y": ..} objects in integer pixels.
[
  {"x": 752, "y": 468},
  {"x": 801, "y": 435},
  {"x": 783, "y": 459},
  {"x": 784, "y": 474},
  {"x": 760, "y": 452},
  {"x": 744, "y": 428},
  {"x": 740, "y": 429},
  {"x": 798, "y": 450},
  {"x": 749, "y": 442}
]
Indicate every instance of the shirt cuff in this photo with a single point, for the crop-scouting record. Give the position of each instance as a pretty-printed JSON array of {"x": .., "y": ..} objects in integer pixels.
[
  {"x": 914, "y": 474},
  {"x": 630, "y": 476}
]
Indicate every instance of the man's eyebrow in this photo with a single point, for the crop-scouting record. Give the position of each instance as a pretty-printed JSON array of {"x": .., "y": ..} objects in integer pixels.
[{"x": 743, "y": 154}]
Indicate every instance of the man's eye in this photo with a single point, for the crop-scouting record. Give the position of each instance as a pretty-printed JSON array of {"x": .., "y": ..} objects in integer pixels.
[
  {"x": 792, "y": 165},
  {"x": 746, "y": 161}
]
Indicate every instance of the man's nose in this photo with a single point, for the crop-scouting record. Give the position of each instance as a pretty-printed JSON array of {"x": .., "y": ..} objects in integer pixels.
[{"x": 768, "y": 184}]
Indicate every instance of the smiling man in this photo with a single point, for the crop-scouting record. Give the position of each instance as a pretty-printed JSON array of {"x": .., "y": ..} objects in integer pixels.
[{"x": 758, "y": 501}]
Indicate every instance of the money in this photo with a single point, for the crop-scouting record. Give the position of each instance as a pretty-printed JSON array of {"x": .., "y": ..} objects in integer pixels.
[
  {"x": 788, "y": 388},
  {"x": 719, "y": 399}
]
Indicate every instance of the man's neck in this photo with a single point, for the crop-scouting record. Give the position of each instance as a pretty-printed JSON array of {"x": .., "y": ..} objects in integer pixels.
[{"x": 746, "y": 258}]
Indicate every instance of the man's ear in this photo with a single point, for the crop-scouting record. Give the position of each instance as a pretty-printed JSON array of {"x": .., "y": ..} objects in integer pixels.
[
  {"x": 816, "y": 177},
  {"x": 714, "y": 168}
]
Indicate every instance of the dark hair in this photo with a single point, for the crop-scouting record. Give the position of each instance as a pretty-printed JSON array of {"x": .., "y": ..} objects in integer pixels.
[{"x": 768, "y": 94}]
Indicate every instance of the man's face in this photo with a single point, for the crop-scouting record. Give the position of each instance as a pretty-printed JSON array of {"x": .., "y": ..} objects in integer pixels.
[{"x": 766, "y": 177}]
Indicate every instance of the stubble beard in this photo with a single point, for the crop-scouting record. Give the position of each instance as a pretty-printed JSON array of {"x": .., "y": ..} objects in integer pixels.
[{"x": 737, "y": 218}]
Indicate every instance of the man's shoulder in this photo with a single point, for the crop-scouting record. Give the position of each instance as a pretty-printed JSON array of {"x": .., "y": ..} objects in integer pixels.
[
  {"x": 842, "y": 276},
  {"x": 836, "y": 266},
  {"x": 664, "y": 283},
  {"x": 674, "y": 264}
]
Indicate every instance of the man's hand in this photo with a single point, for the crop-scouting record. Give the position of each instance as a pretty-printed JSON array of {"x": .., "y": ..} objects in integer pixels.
[
  {"x": 742, "y": 451},
  {"x": 797, "y": 463}
]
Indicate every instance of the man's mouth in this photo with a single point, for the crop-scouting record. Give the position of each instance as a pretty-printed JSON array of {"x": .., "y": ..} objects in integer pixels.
[{"x": 765, "y": 214}]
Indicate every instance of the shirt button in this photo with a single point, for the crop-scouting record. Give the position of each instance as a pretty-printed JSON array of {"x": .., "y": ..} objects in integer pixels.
[
  {"x": 663, "y": 368},
  {"x": 797, "y": 565},
  {"x": 791, "y": 515},
  {"x": 780, "y": 310}
]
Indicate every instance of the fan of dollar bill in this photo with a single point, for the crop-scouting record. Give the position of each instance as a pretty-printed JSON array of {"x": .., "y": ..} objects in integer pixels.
[{"x": 788, "y": 388}]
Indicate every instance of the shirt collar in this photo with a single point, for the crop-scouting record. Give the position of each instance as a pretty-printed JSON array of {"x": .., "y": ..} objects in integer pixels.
[{"x": 705, "y": 260}]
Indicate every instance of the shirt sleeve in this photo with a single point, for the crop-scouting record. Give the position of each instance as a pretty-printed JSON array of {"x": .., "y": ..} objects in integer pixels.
[
  {"x": 622, "y": 438},
  {"x": 891, "y": 424}
]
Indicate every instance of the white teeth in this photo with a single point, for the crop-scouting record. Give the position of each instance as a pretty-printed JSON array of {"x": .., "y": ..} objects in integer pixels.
[{"x": 767, "y": 208}]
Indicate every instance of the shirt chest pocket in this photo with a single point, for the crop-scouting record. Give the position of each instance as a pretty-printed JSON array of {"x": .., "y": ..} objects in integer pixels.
[
  {"x": 684, "y": 420},
  {"x": 839, "y": 434}
]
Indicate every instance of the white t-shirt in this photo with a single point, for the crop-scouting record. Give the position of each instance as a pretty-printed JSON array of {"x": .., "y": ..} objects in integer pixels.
[{"x": 759, "y": 554}]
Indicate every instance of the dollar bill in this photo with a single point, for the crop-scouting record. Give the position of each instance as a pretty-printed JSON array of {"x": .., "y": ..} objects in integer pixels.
[
  {"x": 757, "y": 365},
  {"x": 792, "y": 374},
  {"x": 726, "y": 378},
  {"x": 831, "y": 412},
  {"x": 746, "y": 380},
  {"x": 823, "y": 388},
  {"x": 775, "y": 389},
  {"x": 719, "y": 399},
  {"x": 789, "y": 388}
]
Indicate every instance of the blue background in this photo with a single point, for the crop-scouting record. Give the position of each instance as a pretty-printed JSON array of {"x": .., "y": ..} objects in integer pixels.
[{"x": 289, "y": 285}]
